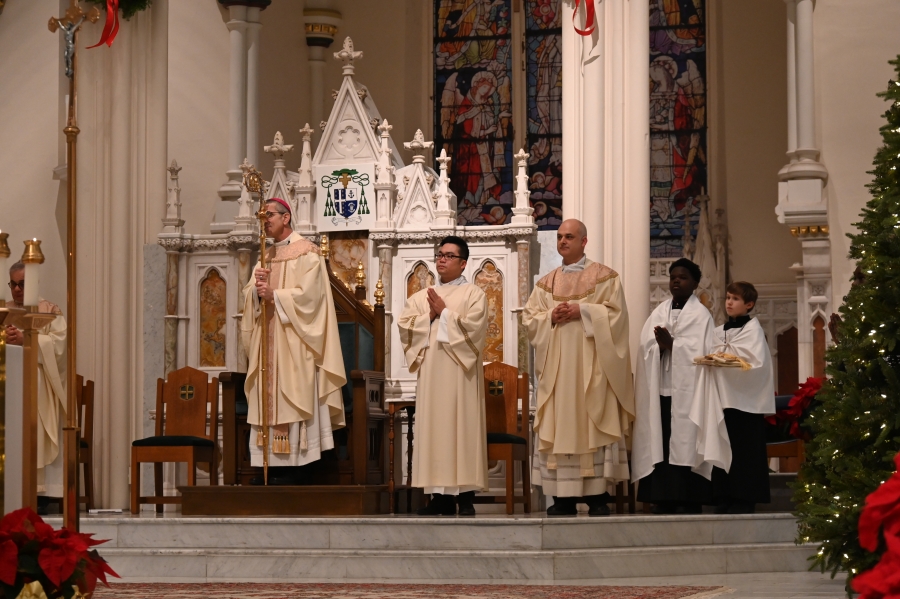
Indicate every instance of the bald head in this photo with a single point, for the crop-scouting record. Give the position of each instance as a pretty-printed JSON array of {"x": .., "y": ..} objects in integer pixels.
[
  {"x": 574, "y": 225},
  {"x": 571, "y": 238}
]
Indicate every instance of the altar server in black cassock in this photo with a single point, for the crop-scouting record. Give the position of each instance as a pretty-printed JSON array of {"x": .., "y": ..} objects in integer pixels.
[
  {"x": 746, "y": 395},
  {"x": 678, "y": 435}
]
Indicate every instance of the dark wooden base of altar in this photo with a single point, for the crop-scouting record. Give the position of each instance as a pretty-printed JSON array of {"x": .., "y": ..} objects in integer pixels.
[{"x": 319, "y": 500}]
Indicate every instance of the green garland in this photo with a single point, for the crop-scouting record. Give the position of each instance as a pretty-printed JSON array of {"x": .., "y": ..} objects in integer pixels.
[
  {"x": 129, "y": 8},
  {"x": 856, "y": 428}
]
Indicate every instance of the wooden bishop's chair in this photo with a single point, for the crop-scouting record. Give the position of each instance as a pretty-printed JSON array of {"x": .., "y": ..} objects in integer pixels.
[
  {"x": 508, "y": 439},
  {"x": 84, "y": 395},
  {"x": 182, "y": 405}
]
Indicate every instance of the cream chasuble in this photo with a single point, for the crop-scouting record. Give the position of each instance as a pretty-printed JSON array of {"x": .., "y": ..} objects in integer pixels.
[
  {"x": 305, "y": 366},
  {"x": 451, "y": 440},
  {"x": 585, "y": 395},
  {"x": 51, "y": 401}
]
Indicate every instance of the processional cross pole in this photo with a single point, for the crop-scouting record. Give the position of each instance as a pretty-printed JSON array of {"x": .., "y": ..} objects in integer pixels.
[
  {"x": 70, "y": 24},
  {"x": 254, "y": 183}
]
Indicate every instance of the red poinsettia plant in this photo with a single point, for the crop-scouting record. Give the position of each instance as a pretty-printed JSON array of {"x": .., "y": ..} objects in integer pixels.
[
  {"x": 62, "y": 561},
  {"x": 881, "y": 514},
  {"x": 791, "y": 416}
]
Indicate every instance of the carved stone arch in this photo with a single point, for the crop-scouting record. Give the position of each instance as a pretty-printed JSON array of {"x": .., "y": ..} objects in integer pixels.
[
  {"x": 213, "y": 321},
  {"x": 490, "y": 279},
  {"x": 420, "y": 277}
]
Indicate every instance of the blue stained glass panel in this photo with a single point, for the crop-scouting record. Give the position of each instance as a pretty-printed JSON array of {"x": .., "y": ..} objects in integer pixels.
[
  {"x": 543, "y": 73},
  {"x": 473, "y": 106},
  {"x": 678, "y": 141}
]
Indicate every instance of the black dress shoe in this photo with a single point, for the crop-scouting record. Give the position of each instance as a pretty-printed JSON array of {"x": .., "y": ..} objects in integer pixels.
[
  {"x": 466, "y": 504},
  {"x": 440, "y": 505},
  {"x": 563, "y": 506},
  {"x": 597, "y": 504}
]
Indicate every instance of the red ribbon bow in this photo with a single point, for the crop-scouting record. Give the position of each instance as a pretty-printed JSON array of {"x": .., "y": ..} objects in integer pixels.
[
  {"x": 589, "y": 24},
  {"x": 111, "y": 28}
]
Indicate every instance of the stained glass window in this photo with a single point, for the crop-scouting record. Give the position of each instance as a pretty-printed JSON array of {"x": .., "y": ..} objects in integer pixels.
[
  {"x": 543, "y": 72},
  {"x": 473, "y": 105},
  {"x": 678, "y": 157}
]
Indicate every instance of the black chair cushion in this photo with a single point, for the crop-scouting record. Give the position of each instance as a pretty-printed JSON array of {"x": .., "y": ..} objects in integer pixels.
[
  {"x": 173, "y": 441},
  {"x": 83, "y": 443},
  {"x": 241, "y": 408},
  {"x": 499, "y": 438}
]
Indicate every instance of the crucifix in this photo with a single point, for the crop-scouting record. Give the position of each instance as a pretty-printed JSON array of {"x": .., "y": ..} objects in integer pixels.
[{"x": 70, "y": 24}]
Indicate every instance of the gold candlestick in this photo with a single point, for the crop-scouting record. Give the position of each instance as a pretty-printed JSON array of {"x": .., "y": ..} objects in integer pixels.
[{"x": 70, "y": 24}]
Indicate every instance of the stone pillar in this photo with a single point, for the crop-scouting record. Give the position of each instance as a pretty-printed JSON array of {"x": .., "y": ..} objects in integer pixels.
[
  {"x": 252, "y": 138},
  {"x": 802, "y": 204},
  {"x": 237, "y": 113},
  {"x": 605, "y": 142},
  {"x": 321, "y": 25}
]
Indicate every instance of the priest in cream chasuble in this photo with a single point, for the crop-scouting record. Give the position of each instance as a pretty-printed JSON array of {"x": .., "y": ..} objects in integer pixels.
[
  {"x": 305, "y": 366},
  {"x": 578, "y": 324},
  {"x": 443, "y": 330},
  {"x": 51, "y": 385}
]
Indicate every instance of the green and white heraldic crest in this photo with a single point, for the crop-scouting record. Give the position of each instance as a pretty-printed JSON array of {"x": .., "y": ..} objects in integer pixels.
[{"x": 345, "y": 197}]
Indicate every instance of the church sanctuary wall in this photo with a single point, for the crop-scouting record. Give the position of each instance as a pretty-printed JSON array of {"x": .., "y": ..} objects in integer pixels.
[
  {"x": 198, "y": 108},
  {"x": 751, "y": 119},
  {"x": 32, "y": 204},
  {"x": 853, "y": 42},
  {"x": 395, "y": 67}
]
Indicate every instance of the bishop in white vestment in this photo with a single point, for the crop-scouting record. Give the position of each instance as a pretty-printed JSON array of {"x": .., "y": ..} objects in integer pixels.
[
  {"x": 443, "y": 330},
  {"x": 578, "y": 324},
  {"x": 305, "y": 366}
]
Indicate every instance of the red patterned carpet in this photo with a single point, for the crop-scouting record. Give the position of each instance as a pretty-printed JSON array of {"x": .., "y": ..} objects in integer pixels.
[{"x": 396, "y": 591}]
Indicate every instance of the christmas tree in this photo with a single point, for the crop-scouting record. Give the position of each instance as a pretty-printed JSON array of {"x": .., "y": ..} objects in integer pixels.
[{"x": 856, "y": 428}]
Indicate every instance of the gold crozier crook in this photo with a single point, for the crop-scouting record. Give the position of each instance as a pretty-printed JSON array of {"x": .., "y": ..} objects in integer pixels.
[{"x": 254, "y": 183}]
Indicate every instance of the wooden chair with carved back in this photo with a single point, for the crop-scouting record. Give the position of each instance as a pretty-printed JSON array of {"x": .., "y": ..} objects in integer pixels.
[
  {"x": 508, "y": 437},
  {"x": 185, "y": 404},
  {"x": 84, "y": 395}
]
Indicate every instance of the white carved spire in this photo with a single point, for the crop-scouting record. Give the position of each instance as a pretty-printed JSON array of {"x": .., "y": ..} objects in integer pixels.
[
  {"x": 384, "y": 169},
  {"x": 418, "y": 145},
  {"x": 444, "y": 214},
  {"x": 348, "y": 55},
  {"x": 522, "y": 211},
  {"x": 306, "y": 176},
  {"x": 173, "y": 222}
]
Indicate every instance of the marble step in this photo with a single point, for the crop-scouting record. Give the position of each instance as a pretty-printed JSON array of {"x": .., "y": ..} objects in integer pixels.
[
  {"x": 286, "y": 565},
  {"x": 483, "y": 533}
]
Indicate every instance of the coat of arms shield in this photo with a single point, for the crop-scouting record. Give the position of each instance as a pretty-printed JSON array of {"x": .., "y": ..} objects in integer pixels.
[{"x": 342, "y": 197}]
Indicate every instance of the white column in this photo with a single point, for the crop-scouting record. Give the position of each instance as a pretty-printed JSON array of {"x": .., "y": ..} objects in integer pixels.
[
  {"x": 320, "y": 26},
  {"x": 253, "y": 27},
  {"x": 606, "y": 142},
  {"x": 792, "y": 79},
  {"x": 802, "y": 204},
  {"x": 237, "y": 122}
]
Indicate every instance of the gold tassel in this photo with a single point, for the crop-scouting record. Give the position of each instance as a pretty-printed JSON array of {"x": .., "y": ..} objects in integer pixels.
[{"x": 304, "y": 442}]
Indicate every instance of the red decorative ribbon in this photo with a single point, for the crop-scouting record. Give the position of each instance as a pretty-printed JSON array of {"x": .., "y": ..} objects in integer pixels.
[
  {"x": 111, "y": 28},
  {"x": 589, "y": 24}
]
